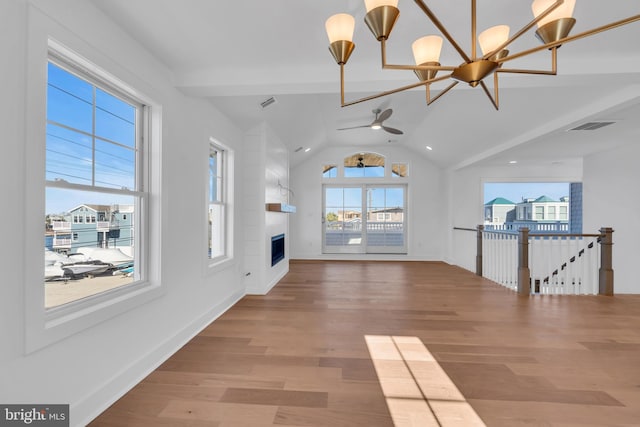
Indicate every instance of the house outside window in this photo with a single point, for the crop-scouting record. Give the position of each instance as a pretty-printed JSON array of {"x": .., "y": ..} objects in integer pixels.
[{"x": 540, "y": 214}]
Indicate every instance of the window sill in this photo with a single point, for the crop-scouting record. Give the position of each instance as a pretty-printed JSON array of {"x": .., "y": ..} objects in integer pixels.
[{"x": 218, "y": 264}]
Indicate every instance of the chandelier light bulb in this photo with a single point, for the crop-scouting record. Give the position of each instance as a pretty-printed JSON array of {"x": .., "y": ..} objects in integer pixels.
[
  {"x": 427, "y": 49},
  {"x": 372, "y": 4},
  {"x": 565, "y": 10},
  {"x": 492, "y": 38},
  {"x": 340, "y": 27}
]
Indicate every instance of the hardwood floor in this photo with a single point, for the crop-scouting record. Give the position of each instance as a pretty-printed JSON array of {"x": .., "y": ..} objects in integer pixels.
[{"x": 306, "y": 355}]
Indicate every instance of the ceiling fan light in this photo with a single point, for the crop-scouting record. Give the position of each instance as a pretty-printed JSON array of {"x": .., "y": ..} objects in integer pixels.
[
  {"x": 492, "y": 38},
  {"x": 376, "y": 126},
  {"x": 565, "y": 10},
  {"x": 372, "y": 4},
  {"x": 340, "y": 27},
  {"x": 427, "y": 49}
]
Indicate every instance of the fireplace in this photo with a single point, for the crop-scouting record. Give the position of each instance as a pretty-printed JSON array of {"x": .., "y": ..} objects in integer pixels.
[{"x": 277, "y": 249}]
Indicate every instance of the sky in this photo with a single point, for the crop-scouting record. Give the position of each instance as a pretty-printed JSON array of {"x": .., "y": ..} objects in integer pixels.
[
  {"x": 90, "y": 141},
  {"x": 516, "y": 191}
]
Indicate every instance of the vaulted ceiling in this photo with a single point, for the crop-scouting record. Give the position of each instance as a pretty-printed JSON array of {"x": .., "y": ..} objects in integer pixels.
[{"x": 237, "y": 54}]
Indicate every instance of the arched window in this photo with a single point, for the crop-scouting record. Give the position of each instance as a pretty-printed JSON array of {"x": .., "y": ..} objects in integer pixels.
[{"x": 364, "y": 165}]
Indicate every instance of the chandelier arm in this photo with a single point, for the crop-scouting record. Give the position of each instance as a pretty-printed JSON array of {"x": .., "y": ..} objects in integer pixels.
[
  {"x": 447, "y": 89},
  {"x": 473, "y": 29},
  {"x": 391, "y": 92},
  {"x": 568, "y": 39},
  {"x": 342, "y": 84},
  {"x": 486, "y": 91},
  {"x": 418, "y": 67},
  {"x": 385, "y": 66},
  {"x": 443, "y": 30},
  {"x": 552, "y": 72},
  {"x": 524, "y": 29},
  {"x": 495, "y": 90}
]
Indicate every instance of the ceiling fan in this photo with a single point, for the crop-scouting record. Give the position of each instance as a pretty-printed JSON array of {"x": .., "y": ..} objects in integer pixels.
[{"x": 377, "y": 122}]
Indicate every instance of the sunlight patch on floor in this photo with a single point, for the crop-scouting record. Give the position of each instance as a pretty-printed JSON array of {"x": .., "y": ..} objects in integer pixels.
[{"x": 417, "y": 390}]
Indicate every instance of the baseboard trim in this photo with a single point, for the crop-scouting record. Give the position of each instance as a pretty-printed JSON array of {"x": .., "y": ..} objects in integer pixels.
[{"x": 84, "y": 411}]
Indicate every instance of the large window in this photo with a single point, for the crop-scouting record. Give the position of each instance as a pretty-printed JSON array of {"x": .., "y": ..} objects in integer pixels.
[
  {"x": 542, "y": 207},
  {"x": 93, "y": 169}
]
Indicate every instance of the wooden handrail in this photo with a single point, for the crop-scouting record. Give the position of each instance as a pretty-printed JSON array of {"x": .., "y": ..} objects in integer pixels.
[
  {"x": 465, "y": 229},
  {"x": 478, "y": 232}
]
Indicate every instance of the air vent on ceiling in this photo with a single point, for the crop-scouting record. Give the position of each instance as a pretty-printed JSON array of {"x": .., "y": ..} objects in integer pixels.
[
  {"x": 268, "y": 102},
  {"x": 592, "y": 125}
]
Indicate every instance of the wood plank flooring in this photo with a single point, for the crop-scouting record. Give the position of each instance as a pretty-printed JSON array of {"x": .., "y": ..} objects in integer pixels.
[{"x": 298, "y": 356}]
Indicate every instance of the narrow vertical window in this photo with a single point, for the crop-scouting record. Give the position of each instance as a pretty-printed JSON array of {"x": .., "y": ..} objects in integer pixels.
[
  {"x": 563, "y": 213},
  {"x": 216, "y": 206}
]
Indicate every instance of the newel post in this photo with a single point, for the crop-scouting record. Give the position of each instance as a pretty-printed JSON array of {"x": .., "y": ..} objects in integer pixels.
[
  {"x": 605, "y": 282},
  {"x": 524, "y": 274},
  {"x": 479, "y": 250}
]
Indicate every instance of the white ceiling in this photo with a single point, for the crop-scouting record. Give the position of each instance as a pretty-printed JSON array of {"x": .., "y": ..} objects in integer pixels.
[{"x": 237, "y": 54}]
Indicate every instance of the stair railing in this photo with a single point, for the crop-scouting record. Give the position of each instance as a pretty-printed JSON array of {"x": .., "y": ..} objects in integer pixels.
[{"x": 545, "y": 263}]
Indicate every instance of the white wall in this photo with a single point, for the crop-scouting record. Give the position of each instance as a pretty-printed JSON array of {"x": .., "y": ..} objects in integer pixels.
[
  {"x": 465, "y": 189},
  {"x": 95, "y": 366},
  {"x": 426, "y": 203},
  {"x": 266, "y": 170},
  {"x": 610, "y": 199}
]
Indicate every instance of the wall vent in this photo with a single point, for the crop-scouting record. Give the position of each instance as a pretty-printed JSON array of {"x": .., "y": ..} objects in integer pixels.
[
  {"x": 267, "y": 102},
  {"x": 592, "y": 125}
]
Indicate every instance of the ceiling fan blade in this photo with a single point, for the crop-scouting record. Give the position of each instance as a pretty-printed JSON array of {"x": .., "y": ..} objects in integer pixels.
[
  {"x": 392, "y": 130},
  {"x": 355, "y": 127},
  {"x": 384, "y": 115}
]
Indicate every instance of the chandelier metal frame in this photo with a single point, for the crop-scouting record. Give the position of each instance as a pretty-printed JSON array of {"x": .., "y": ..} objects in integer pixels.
[{"x": 474, "y": 69}]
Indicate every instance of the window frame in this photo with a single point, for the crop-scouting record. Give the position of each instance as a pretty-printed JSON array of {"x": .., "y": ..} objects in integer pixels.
[
  {"x": 47, "y": 326},
  {"x": 539, "y": 213},
  {"x": 138, "y": 194},
  {"x": 564, "y": 214},
  {"x": 225, "y": 202}
]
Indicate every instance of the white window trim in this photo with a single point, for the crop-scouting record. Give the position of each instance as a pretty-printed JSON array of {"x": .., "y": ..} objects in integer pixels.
[
  {"x": 213, "y": 265},
  {"x": 44, "y": 327}
]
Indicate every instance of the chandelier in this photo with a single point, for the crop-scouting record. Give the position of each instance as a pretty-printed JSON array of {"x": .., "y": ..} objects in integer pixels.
[{"x": 552, "y": 17}]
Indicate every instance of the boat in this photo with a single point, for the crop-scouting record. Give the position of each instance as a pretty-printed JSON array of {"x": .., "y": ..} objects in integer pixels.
[
  {"x": 58, "y": 265},
  {"x": 107, "y": 255},
  {"x": 53, "y": 272},
  {"x": 85, "y": 268},
  {"x": 53, "y": 265},
  {"x": 124, "y": 270}
]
